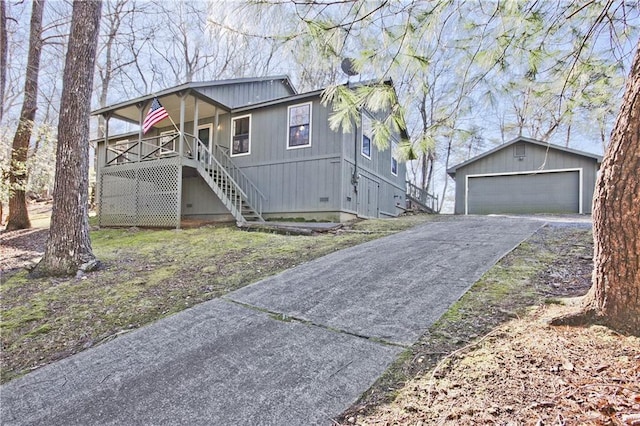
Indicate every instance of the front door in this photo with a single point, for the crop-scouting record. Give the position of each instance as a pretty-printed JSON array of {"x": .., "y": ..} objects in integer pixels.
[{"x": 205, "y": 134}]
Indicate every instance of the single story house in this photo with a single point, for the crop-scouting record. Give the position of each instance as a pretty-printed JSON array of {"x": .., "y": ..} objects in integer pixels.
[
  {"x": 245, "y": 150},
  {"x": 526, "y": 175}
]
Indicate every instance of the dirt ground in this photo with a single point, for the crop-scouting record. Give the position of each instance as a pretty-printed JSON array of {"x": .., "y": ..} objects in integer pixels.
[
  {"x": 497, "y": 362},
  {"x": 526, "y": 373},
  {"x": 19, "y": 249},
  {"x": 490, "y": 359}
]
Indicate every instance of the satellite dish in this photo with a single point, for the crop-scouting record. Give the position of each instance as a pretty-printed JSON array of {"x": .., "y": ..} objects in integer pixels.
[{"x": 348, "y": 67}]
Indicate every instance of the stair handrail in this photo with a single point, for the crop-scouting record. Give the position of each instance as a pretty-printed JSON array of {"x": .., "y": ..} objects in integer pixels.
[
  {"x": 229, "y": 163},
  {"x": 420, "y": 194},
  {"x": 255, "y": 197},
  {"x": 238, "y": 178}
]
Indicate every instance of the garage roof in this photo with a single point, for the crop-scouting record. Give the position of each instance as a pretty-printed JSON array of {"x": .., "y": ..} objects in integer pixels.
[{"x": 452, "y": 170}]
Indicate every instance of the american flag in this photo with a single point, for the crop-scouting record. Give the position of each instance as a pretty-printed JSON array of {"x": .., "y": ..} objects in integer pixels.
[{"x": 156, "y": 114}]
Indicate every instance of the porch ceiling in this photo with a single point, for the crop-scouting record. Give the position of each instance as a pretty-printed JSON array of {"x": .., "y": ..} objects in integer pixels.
[{"x": 130, "y": 112}]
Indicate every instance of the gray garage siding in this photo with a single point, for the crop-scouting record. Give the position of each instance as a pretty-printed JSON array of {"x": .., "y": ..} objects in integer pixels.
[
  {"x": 537, "y": 158},
  {"x": 556, "y": 192}
]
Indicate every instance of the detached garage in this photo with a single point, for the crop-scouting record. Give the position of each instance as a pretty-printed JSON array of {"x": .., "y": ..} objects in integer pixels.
[{"x": 526, "y": 176}]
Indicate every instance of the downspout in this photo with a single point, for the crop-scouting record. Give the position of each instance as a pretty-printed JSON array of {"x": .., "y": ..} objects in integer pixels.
[{"x": 355, "y": 177}]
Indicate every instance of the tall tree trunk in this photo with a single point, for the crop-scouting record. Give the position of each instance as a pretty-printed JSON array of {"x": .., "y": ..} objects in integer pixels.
[
  {"x": 18, "y": 213},
  {"x": 69, "y": 247},
  {"x": 4, "y": 43},
  {"x": 615, "y": 294},
  {"x": 3, "y": 72},
  {"x": 614, "y": 297},
  {"x": 431, "y": 157}
]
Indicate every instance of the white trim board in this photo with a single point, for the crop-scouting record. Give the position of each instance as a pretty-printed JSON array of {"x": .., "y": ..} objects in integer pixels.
[{"x": 528, "y": 172}]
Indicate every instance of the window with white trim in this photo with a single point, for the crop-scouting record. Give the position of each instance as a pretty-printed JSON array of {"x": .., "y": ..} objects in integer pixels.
[
  {"x": 299, "y": 126},
  {"x": 121, "y": 149},
  {"x": 241, "y": 135},
  {"x": 367, "y": 136},
  {"x": 394, "y": 158},
  {"x": 167, "y": 142}
]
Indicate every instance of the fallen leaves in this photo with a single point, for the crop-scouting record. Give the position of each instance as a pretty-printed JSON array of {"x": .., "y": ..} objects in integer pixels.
[{"x": 527, "y": 373}]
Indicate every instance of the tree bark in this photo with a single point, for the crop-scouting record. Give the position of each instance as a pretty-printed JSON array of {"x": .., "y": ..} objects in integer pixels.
[
  {"x": 18, "y": 213},
  {"x": 4, "y": 43},
  {"x": 68, "y": 247},
  {"x": 615, "y": 295}
]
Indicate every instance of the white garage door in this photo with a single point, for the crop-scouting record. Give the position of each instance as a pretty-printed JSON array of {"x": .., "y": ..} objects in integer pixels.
[{"x": 556, "y": 192}]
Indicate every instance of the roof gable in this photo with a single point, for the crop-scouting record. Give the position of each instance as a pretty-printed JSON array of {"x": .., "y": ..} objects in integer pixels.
[
  {"x": 201, "y": 89},
  {"x": 452, "y": 170}
]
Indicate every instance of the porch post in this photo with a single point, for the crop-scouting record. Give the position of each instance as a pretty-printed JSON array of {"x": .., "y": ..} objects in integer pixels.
[
  {"x": 100, "y": 162},
  {"x": 140, "y": 106},
  {"x": 180, "y": 160},
  {"x": 196, "y": 149},
  {"x": 182, "y": 112},
  {"x": 216, "y": 128},
  {"x": 196, "y": 113},
  {"x": 103, "y": 154}
]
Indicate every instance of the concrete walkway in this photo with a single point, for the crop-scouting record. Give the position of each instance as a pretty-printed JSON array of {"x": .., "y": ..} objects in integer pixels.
[{"x": 294, "y": 349}]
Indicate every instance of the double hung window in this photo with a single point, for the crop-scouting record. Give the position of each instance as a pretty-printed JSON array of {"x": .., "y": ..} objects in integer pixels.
[
  {"x": 299, "y": 126},
  {"x": 241, "y": 136}
]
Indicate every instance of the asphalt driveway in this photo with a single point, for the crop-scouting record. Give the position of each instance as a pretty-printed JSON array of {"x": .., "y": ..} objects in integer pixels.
[{"x": 294, "y": 349}]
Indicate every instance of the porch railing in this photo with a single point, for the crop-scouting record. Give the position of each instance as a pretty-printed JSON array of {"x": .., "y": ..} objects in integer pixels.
[
  {"x": 419, "y": 195},
  {"x": 241, "y": 193},
  {"x": 151, "y": 148}
]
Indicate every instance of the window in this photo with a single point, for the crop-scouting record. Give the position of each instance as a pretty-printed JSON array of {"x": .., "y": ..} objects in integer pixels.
[
  {"x": 519, "y": 150},
  {"x": 121, "y": 149},
  {"x": 367, "y": 134},
  {"x": 299, "y": 135},
  {"x": 394, "y": 159},
  {"x": 167, "y": 142},
  {"x": 241, "y": 136}
]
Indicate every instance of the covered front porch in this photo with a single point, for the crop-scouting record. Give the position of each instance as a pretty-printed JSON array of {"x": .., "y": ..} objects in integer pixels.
[{"x": 140, "y": 177}]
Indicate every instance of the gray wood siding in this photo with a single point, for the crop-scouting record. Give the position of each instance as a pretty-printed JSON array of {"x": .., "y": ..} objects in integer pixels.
[
  {"x": 536, "y": 158},
  {"x": 392, "y": 188},
  {"x": 198, "y": 200},
  {"x": 243, "y": 94},
  {"x": 301, "y": 180},
  {"x": 305, "y": 179}
]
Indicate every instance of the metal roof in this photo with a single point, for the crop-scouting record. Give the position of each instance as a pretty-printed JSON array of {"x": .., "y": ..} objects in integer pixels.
[
  {"x": 128, "y": 110},
  {"x": 452, "y": 170}
]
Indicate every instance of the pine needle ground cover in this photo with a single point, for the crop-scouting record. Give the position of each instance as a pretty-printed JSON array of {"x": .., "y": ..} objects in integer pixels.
[{"x": 493, "y": 359}]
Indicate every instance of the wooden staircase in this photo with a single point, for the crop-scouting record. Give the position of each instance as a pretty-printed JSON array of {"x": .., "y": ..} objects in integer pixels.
[
  {"x": 239, "y": 195},
  {"x": 425, "y": 201}
]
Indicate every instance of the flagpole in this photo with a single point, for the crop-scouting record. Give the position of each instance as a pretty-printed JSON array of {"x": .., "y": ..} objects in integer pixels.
[{"x": 174, "y": 124}]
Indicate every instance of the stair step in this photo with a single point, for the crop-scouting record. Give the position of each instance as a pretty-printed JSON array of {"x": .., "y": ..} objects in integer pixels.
[{"x": 231, "y": 196}]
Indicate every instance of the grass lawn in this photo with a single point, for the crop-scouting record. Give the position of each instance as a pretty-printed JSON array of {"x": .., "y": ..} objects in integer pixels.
[{"x": 147, "y": 275}]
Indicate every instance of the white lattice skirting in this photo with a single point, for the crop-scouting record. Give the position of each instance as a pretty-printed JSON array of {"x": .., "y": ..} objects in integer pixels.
[{"x": 140, "y": 194}]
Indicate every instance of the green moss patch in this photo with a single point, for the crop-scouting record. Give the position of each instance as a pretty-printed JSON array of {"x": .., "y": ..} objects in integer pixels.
[{"x": 149, "y": 274}]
